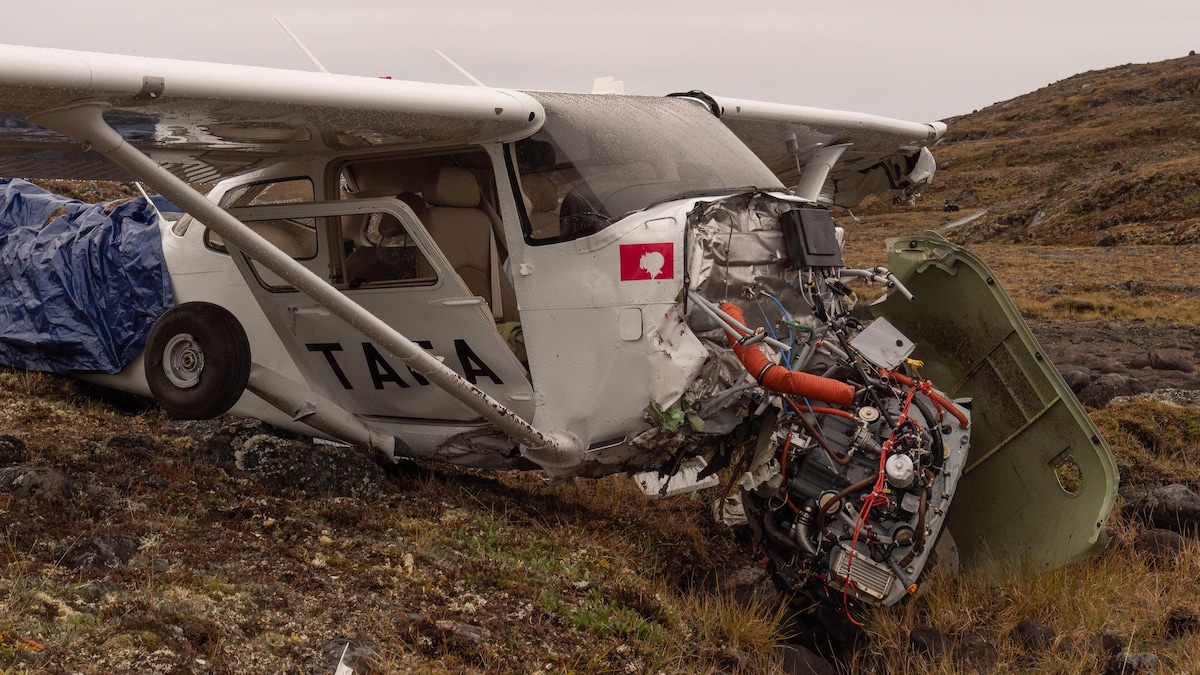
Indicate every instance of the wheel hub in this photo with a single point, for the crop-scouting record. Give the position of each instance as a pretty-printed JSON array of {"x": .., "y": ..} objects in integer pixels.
[{"x": 183, "y": 361}]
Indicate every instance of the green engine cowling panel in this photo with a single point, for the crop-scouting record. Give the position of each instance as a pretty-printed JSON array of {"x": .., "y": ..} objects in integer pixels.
[{"x": 1011, "y": 507}]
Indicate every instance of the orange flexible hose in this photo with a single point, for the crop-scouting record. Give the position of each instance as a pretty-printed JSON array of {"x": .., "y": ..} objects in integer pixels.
[
  {"x": 779, "y": 379},
  {"x": 941, "y": 401}
]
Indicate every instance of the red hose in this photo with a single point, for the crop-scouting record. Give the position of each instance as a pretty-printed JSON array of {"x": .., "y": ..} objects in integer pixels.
[
  {"x": 779, "y": 379},
  {"x": 941, "y": 401}
]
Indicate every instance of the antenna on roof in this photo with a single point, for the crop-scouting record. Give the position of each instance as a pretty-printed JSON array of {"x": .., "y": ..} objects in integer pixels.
[
  {"x": 459, "y": 68},
  {"x": 300, "y": 44}
]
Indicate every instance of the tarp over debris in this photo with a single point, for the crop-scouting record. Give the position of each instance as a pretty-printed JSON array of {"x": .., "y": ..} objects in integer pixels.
[{"x": 80, "y": 284}]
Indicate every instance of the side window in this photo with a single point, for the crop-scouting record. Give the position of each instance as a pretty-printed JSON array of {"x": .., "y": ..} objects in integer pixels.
[
  {"x": 290, "y": 191},
  {"x": 293, "y": 238},
  {"x": 381, "y": 252},
  {"x": 296, "y": 237}
]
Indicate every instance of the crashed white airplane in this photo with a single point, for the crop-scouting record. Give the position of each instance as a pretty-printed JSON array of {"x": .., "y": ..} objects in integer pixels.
[{"x": 585, "y": 284}]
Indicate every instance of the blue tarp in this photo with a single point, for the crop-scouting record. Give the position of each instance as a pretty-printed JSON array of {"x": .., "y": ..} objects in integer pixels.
[{"x": 79, "y": 287}]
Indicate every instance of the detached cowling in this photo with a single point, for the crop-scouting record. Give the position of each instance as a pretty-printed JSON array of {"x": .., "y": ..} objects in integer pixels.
[{"x": 1039, "y": 481}]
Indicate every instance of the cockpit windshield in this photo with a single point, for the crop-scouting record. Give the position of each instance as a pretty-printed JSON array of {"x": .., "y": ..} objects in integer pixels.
[{"x": 599, "y": 158}]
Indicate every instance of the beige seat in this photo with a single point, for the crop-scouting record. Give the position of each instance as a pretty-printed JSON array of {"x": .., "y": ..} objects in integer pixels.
[
  {"x": 542, "y": 205},
  {"x": 464, "y": 233}
]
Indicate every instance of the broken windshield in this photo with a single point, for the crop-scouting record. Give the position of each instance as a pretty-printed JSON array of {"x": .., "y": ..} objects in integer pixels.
[{"x": 600, "y": 157}]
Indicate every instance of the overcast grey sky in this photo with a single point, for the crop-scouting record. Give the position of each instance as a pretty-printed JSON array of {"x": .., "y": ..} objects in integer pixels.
[{"x": 913, "y": 60}]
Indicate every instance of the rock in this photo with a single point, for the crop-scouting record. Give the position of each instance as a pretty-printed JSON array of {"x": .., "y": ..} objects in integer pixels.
[
  {"x": 744, "y": 584},
  {"x": 1125, "y": 663},
  {"x": 1134, "y": 288},
  {"x": 1171, "y": 359},
  {"x": 798, "y": 660},
  {"x": 1106, "y": 238},
  {"x": 101, "y": 550},
  {"x": 929, "y": 642},
  {"x": 12, "y": 450},
  {"x": 1107, "y": 387},
  {"x": 1165, "y": 359},
  {"x": 1076, "y": 377},
  {"x": 466, "y": 634},
  {"x": 96, "y": 589},
  {"x": 1033, "y": 636},
  {"x": 1112, "y": 642},
  {"x": 975, "y": 651},
  {"x": 35, "y": 481},
  {"x": 360, "y": 657},
  {"x": 333, "y": 470},
  {"x": 1160, "y": 547},
  {"x": 1181, "y": 622},
  {"x": 132, "y": 446},
  {"x": 1132, "y": 493},
  {"x": 1171, "y": 507}
]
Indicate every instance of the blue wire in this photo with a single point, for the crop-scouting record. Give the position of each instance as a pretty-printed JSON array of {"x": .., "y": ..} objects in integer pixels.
[{"x": 791, "y": 332}]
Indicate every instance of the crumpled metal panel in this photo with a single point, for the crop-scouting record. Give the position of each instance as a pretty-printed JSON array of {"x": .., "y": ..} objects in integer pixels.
[{"x": 735, "y": 243}]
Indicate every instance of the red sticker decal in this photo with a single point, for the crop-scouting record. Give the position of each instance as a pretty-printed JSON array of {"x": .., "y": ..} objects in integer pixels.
[{"x": 641, "y": 262}]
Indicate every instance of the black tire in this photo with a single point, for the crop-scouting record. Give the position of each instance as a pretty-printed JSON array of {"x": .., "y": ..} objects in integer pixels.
[{"x": 197, "y": 360}]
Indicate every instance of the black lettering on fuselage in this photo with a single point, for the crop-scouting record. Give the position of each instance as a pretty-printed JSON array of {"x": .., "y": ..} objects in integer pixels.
[
  {"x": 328, "y": 348},
  {"x": 472, "y": 366},
  {"x": 381, "y": 371}
]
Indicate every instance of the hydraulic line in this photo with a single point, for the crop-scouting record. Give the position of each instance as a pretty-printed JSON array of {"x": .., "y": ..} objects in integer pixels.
[{"x": 938, "y": 399}]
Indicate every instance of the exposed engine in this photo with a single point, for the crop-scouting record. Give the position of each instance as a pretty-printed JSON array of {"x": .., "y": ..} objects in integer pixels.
[{"x": 852, "y": 459}]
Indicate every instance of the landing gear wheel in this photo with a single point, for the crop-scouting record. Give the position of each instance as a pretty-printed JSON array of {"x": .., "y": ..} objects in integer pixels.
[{"x": 197, "y": 360}]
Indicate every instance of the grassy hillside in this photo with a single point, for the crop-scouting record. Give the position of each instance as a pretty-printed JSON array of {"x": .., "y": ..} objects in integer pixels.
[
  {"x": 1114, "y": 151},
  {"x": 1079, "y": 191}
]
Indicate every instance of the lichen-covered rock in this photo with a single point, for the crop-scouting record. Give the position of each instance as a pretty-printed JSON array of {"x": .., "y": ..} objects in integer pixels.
[
  {"x": 101, "y": 550},
  {"x": 1125, "y": 663},
  {"x": 133, "y": 446},
  {"x": 34, "y": 481},
  {"x": 334, "y": 470}
]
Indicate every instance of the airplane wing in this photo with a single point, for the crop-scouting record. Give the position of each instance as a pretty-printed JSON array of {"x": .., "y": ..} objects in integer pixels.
[
  {"x": 207, "y": 121},
  {"x": 885, "y": 157}
]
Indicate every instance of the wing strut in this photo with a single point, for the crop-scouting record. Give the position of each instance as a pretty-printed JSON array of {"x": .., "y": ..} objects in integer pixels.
[{"x": 85, "y": 123}]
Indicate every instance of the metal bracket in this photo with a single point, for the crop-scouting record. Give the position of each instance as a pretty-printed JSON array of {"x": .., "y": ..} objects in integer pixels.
[{"x": 152, "y": 88}]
